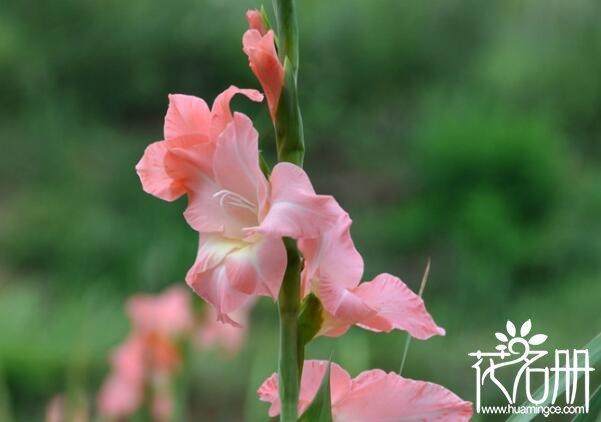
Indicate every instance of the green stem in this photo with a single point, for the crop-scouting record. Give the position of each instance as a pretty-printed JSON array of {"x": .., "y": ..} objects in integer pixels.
[
  {"x": 289, "y": 301},
  {"x": 290, "y": 148},
  {"x": 285, "y": 14},
  {"x": 288, "y": 122},
  {"x": 422, "y": 286}
]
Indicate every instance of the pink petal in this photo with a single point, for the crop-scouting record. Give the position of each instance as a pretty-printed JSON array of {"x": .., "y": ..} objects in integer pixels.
[
  {"x": 127, "y": 360},
  {"x": 55, "y": 409},
  {"x": 119, "y": 398},
  {"x": 212, "y": 209},
  {"x": 207, "y": 214},
  {"x": 372, "y": 396},
  {"x": 342, "y": 305},
  {"x": 169, "y": 168},
  {"x": 378, "y": 396},
  {"x": 296, "y": 211},
  {"x": 229, "y": 202},
  {"x": 258, "y": 268},
  {"x": 153, "y": 174},
  {"x": 212, "y": 251},
  {"x": 221, "y": 114},
  {"x": 213, "y": 334},
  {"x": 266, "y": 66},
  {"x": 236, "y": 164},
  {"x": 268, "y": 392},
  {"x": 397, "y": 307},
  {"x": 332, "y": 255},
  {"x": 186, "y": 115},
  {"x": 214, "y": 286},
  {"x": 333, "y": 327},
  {"x": 163, "y": 406},
  {"x": 167, "y": 313},
  {"x": 313, "y": 373},
  {"x": 255, "y": 21}
]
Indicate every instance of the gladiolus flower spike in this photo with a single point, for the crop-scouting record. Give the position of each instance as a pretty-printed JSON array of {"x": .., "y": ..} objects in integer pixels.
[{"x": 273, "y": 235}]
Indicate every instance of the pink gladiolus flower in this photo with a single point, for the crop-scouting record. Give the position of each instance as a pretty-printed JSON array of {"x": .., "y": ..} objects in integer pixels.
[
  {"x": 372, "y": 396},
  {"x": 263, "y": 59},
  {"x": 240, "y": 215},
  {"x": 255, "y": 21},
  {"x": 333, "y": 271},
  {"x": 244, "y": 217}
]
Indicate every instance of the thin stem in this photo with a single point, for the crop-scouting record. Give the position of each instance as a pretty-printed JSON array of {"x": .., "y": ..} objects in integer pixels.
[
  {"x": 288, "y": 122},
  {"x": 422, "y": 286},
  {"x": 290, "y": 148},
  {"x": 289, "y": 301},
  {"x": 287, "y": 21}
]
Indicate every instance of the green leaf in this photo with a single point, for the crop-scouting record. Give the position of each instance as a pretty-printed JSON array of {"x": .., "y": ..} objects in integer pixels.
[
  {"x": 320, "y": 409},
  {"x": 594, "y": 409},
  {"x": 265, "y": 18},
  {"x": 594, "y": 350},
  {"x": 309, "y": 324},
  {"x": 310, "y": 319}
]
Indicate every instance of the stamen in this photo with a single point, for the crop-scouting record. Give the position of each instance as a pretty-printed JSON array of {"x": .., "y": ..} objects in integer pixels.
[{"x": 235, "y": 200}]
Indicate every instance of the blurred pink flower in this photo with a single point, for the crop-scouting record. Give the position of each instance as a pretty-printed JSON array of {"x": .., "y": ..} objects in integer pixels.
[
  {"x": 119, "y": 397},
  {"x": 150, "y": 352},
  {"x": 55, "y": 409},
  {"x": 333, "y": 271},
  {"x": 259, "y": 46},
  {"x": 214, "y": 334},
  {"x": 162, "y": 406},
  {"x": 372, "y": 396},
  {"x": 255, "y": 21},
  {"x": 58, "y": 411},
  {"x": 169, "y": 313},
  {"x": 127, "y": 359}
]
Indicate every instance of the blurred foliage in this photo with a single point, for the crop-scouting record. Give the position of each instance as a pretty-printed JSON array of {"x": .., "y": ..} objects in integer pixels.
[{"x": 463, "y": 130}]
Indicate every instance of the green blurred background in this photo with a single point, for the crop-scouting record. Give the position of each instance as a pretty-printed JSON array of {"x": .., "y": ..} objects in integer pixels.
[{"x": 467, "y": 131}]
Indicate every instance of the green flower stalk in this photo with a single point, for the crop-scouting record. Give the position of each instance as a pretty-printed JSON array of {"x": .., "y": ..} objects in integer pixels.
[{"x": 290, "y": 147}]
